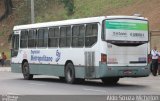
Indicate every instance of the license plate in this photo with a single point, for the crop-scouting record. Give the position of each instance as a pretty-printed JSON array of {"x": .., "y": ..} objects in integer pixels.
[{"x": 127, "y": 72}]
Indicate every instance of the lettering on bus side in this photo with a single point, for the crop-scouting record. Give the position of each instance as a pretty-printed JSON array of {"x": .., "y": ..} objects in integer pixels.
[{"x": 36, "y": 56}]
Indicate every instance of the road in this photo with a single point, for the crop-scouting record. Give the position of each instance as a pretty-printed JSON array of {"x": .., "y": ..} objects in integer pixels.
[{"x": 13, "y": 84}]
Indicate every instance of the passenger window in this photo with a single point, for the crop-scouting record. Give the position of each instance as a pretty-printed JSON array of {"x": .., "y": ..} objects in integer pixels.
[
  {"x": 53, "y": 37},
  {"x": 42, "y": 37},
  {"x": 65, "y": 36},
  {"x": 32, "y": 38},
  {"x": 78, "y": 36},
  {"x": 24, "y": 39},
  {"x": 91, "y": 34}
]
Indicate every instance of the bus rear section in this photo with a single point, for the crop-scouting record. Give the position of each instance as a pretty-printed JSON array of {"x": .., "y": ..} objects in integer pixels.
[
  {"x": 126, "y": 48},
  {"x": 128, "y": 61}
]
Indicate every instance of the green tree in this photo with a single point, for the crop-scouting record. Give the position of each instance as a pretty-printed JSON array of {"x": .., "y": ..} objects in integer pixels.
[{"x": 69, "y": 6}]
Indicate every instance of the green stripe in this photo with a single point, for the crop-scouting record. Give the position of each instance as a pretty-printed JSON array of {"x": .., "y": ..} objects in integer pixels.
[{"x": 126, "y": 25}]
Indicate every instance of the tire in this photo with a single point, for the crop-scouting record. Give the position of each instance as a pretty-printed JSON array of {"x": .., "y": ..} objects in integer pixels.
[
  {"x": 69, "y": 73},
  {"x": 26, "y": 71},
  {"x": 110, "y": 80}
]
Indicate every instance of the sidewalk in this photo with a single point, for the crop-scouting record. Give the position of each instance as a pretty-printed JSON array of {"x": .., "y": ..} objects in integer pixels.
[{"x": 5, "y": 69}]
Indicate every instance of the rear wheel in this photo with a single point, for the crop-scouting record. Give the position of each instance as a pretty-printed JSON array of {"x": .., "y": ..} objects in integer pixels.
[
  {"x": 26, "y": 71},
  {"x": 70, "y": 73},
  {"x": 110, "y": 80}
]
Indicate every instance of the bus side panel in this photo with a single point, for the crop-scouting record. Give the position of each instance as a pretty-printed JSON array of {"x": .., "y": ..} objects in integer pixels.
[
  {"x": 55, "y": 70},
  {"x": 16, "y": 68},
  {"x": 46, "y": 69},
  {"x": 80, "y": 72}
]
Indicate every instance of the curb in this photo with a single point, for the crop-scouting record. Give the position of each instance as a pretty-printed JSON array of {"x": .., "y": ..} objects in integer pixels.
[{"x": 5, "y": 69}]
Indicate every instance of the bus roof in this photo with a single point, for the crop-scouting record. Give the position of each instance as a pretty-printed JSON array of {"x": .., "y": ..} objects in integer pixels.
[{"x": 72, "y": 21}]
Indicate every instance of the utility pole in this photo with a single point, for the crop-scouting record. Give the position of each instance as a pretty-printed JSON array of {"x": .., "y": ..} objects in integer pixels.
[{"x": 32, "y": 11}]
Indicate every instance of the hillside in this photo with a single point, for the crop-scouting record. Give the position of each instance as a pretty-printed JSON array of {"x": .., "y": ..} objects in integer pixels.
[{"x": 52, "y": 10}]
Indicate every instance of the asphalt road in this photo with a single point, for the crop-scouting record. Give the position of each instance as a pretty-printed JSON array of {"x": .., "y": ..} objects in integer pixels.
[{"x": 13, "y": 84}]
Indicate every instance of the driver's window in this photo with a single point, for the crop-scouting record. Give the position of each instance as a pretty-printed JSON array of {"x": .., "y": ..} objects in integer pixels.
[
  {"x": 15, "y": 45},
  {"x": 15, "y": 42}
]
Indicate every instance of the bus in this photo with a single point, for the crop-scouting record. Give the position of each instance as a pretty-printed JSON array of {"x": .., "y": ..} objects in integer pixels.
[{"x": 104, "y": 47}]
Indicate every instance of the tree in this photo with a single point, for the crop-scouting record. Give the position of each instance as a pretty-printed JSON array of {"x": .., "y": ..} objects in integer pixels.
[
  {"x": 8, "y": 9},
  {"x": 69, "y": 5}
]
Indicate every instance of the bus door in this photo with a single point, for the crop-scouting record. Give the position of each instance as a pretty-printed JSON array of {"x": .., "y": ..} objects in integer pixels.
[{"x": 89, "y": 64}]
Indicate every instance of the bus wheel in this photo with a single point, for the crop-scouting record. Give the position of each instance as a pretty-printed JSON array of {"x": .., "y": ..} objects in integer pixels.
[
  {"x": 26, "y": 72},
  {"x": 110, "y": 80},
  {"x": 70, "y": 73}
]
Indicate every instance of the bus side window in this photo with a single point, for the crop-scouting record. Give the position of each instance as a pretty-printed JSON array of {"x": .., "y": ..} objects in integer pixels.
[
  {"x": 56, "y": 36},
  {"x": 91, "y": 34},
  {"x": 65, "y": 36},
  {"x": 62, "y": 37},
  {"x": 53, "y": 37},
  {"x": 68, "y": 37},
  {"x": 81, "y": 35},
  {"x": 24, "y": 39},
  {"x": 32, "y": 38},
  {"x": 78, "y": 36},
  {"x": 75, "y": 36},
  {"x": 42, "y": 37},
  {"x": 45, "y": 37}
]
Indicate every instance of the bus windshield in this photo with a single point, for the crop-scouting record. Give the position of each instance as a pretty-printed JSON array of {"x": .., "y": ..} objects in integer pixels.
[{"x": 126, "y": 31}]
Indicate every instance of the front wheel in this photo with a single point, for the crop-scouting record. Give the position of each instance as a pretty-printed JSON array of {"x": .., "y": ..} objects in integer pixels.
[
  {"x": 110, "y": 80},
  {"x": 26, "y": 71}
]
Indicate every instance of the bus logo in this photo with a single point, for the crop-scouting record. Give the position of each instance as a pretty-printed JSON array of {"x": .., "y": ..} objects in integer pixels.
[{"x": 58, "y": 55}]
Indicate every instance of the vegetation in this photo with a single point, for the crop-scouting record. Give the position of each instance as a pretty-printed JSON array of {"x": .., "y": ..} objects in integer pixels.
[
  {"x": 8, "y": 9},
  {"x": 69, "y": 5},
  {"x": 69, "y": 9}
]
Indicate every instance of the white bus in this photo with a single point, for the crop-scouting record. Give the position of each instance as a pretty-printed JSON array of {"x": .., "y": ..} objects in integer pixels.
[{"x": 105, "y": 47}]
